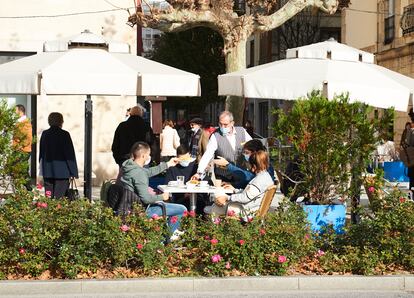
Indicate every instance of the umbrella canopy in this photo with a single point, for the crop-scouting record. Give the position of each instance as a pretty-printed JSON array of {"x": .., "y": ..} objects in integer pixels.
[
  {"x": 329, "y": 66},
  {"x": 88, "y": 65},
  {"x": 81, "y": 71}
]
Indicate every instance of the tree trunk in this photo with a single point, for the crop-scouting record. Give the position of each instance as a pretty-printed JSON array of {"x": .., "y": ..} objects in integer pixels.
[{"x": 236, "y": 60}]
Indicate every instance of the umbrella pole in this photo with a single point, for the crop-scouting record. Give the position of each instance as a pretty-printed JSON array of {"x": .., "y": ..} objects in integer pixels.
[{"x": 87, "y": 168}]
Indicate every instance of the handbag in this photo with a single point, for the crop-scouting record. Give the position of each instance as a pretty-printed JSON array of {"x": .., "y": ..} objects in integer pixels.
[
  {"x": 407, "y": 156},
  {"x": 72, "y": 192}
]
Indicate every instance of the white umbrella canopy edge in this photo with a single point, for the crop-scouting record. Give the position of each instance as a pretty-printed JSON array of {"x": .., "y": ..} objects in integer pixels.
[{"x": 293, "y": 78}]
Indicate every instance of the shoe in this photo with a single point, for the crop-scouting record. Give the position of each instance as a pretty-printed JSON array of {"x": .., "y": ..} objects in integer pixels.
[{"x": 176, "y": 235}]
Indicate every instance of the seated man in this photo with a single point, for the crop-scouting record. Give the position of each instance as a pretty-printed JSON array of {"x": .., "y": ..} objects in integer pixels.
[
  {"x": 186, "y": 167},
  {"x": 250, "y": 197},
  {"x": 136, "y": 178},
  {"x": 242, "y": 176}
]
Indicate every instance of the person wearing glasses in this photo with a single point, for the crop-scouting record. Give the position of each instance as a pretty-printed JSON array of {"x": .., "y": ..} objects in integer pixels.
[
  {"x": 243, "y": 176},
  {"x": 226, "y": 142}
]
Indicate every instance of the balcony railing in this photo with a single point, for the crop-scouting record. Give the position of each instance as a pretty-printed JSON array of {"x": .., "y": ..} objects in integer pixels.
[{"x": 407, "y": 20}]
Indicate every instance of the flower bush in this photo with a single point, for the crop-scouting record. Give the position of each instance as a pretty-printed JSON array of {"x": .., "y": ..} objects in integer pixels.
[
  {"x": 45, "y": 238},
  {"x": 382, "y": 241}
]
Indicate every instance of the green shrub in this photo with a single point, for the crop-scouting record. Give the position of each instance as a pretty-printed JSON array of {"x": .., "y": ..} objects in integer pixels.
[{"x": 13, "y": 162}]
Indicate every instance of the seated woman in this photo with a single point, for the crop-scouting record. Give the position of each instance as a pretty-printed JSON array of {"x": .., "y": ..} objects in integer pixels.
[
  {"x": 135, "y": 177},
  {"x": 251, "y": 197},
  {"x": 242, "y": 177}
]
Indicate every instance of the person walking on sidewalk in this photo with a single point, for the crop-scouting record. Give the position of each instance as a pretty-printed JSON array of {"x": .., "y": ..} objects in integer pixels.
[{"x": 57, "y": 157}]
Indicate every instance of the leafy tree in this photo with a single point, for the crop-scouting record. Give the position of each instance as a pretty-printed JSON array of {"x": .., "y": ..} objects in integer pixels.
[
  {"x": 13, "y": 163},
  {"x": 198, "y": 50},
  {"x": 226, "y": 18}
]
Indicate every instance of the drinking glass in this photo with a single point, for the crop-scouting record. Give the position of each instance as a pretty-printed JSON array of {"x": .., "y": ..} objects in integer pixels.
[{"x": 180, "y": 180}]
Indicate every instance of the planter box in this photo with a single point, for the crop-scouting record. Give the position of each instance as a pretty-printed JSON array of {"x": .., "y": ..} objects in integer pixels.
[
  {"x": 395, "y": 171},
  {"x": 320, "y": 216}
]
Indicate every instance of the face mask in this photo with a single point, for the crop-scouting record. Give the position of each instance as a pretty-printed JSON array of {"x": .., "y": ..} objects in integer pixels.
[
  {"x": 184, "y": 163},
  {"x": 224, "y": 130},
  {"x": 148, "y": 161},
  {"x": 194, "y": 129},
  {"x": 246, "y": 156}
]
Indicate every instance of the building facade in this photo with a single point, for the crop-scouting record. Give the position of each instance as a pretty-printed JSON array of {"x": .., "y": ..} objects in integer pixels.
[
  {"x": 388, "y": 32},
  {"x": 26, "y": 25}
]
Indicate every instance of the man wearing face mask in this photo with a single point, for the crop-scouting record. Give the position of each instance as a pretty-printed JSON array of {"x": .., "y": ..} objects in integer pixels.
[
  {"x": 135, "y": 177},
  {"x": 194, "y": 139},
  {"x": 226, "y": 142}
]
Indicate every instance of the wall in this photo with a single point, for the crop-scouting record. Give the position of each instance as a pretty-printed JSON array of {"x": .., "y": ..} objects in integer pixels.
[
  {"x": 28, "y": 35},
  {"x": 359, "y": 24}
]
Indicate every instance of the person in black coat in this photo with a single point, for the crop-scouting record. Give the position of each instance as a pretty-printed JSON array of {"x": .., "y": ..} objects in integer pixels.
[
  {"x": 133, "y": 130},
  {"x": 57, "y": 157}
]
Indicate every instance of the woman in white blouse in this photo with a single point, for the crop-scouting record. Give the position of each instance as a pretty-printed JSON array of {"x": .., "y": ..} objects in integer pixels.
[
  {"x": 250, "y": 197},
  {"x": 169, "y": 141}
]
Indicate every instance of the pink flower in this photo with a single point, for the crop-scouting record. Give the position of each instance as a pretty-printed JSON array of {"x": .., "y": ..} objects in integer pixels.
[
  {"x": 282, "y": 259},
  {"x": 39, "y": 186},
  {"x": 307, "y": 236},
  {"x": 320, "y": 253},
  {"x": 371, "y": 189},
  {"x": 173, "y": 219},
  {"x": 185, "y": 214},
  {"x": 231, "y": 213},
  {"x": 262, "y": 232},
  {"x": 140, "y": 246},
  {"x": 250, "y": 219},
  {"x": 214, "y": 241},
  {"x": 402, "y": 200},
  {"x": 22, "y": 251},
  {"x": 228, "y": 266},
  {"x": 48, "y": 193},
  {"x": 241, "y": 241},
  {"x": 124, "y": 228},
  {"x": 207, "y": 237},
  {"x": 192, "y": 213},
  {"x": 217, "y": 221},
  {"x": 41, "y": 205},
  {"x": 58, "y": 206},
  {"x": 216, "y": 258},
  {"x": 155, "y": 216}
]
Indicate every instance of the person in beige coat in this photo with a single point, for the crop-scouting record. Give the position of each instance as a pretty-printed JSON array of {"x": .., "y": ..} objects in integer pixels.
[{"x": 169, "y": 141}]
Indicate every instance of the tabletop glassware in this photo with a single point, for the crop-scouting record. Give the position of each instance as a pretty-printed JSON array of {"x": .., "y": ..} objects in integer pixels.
[{"x": 180, "y": 180}]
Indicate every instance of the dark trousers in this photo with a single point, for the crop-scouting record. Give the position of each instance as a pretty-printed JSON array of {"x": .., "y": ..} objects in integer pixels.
[{"x": 57, "y": 187}]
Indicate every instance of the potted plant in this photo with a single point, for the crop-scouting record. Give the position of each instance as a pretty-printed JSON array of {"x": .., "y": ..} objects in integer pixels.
[{"x": 331, "y": 142}]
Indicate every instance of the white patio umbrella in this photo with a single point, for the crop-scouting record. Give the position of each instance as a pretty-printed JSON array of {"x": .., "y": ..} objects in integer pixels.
[
  {"x": 87, "y": 65},
  {"x": 330, "y": 66}
]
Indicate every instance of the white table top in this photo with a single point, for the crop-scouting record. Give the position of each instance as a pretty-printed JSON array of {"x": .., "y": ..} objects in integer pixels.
[{"x": 192, "y": 189}]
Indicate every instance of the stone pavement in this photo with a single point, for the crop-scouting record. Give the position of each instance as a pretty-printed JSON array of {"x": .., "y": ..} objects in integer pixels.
[{"x": 189, "y": 286}]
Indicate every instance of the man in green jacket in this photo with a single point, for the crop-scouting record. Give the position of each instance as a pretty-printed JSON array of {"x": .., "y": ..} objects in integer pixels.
[{"x": 135, "y": 177}]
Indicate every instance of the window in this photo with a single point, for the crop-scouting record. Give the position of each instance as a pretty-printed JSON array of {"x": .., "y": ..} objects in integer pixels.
[{"x": 389, "y": 23}]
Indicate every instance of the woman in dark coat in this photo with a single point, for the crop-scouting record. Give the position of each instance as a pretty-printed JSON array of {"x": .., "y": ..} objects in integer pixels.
[{"x": 57, "y": 157}]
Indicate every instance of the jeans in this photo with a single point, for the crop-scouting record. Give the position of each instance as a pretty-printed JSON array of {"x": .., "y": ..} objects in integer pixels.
[{"x": 172, "y": 210}]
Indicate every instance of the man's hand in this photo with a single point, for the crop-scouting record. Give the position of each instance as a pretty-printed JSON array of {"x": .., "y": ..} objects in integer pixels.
[
  {"x": 221, "y": 161},
  {"x": 172, "y": 162},
  {"x": 228, "y": 186},
  {"x": 196, "y": 176},
  {"x": 165, "y": 196},
  {"x": 221, "y": 201}
]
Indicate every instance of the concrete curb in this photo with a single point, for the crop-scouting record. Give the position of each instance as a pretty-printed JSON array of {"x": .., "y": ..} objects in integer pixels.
[{"x": 192, "y": 285}]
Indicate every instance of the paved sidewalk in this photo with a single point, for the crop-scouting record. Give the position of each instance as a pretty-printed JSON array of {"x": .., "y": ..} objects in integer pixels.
[{"x": 211, "y": 285}]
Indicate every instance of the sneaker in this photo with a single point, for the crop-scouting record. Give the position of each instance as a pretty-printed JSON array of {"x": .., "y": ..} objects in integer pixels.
[{"x": 176, "y": 235}]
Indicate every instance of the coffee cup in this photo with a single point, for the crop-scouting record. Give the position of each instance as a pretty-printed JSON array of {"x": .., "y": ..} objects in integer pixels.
[{"x": 203, "y": 183}]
